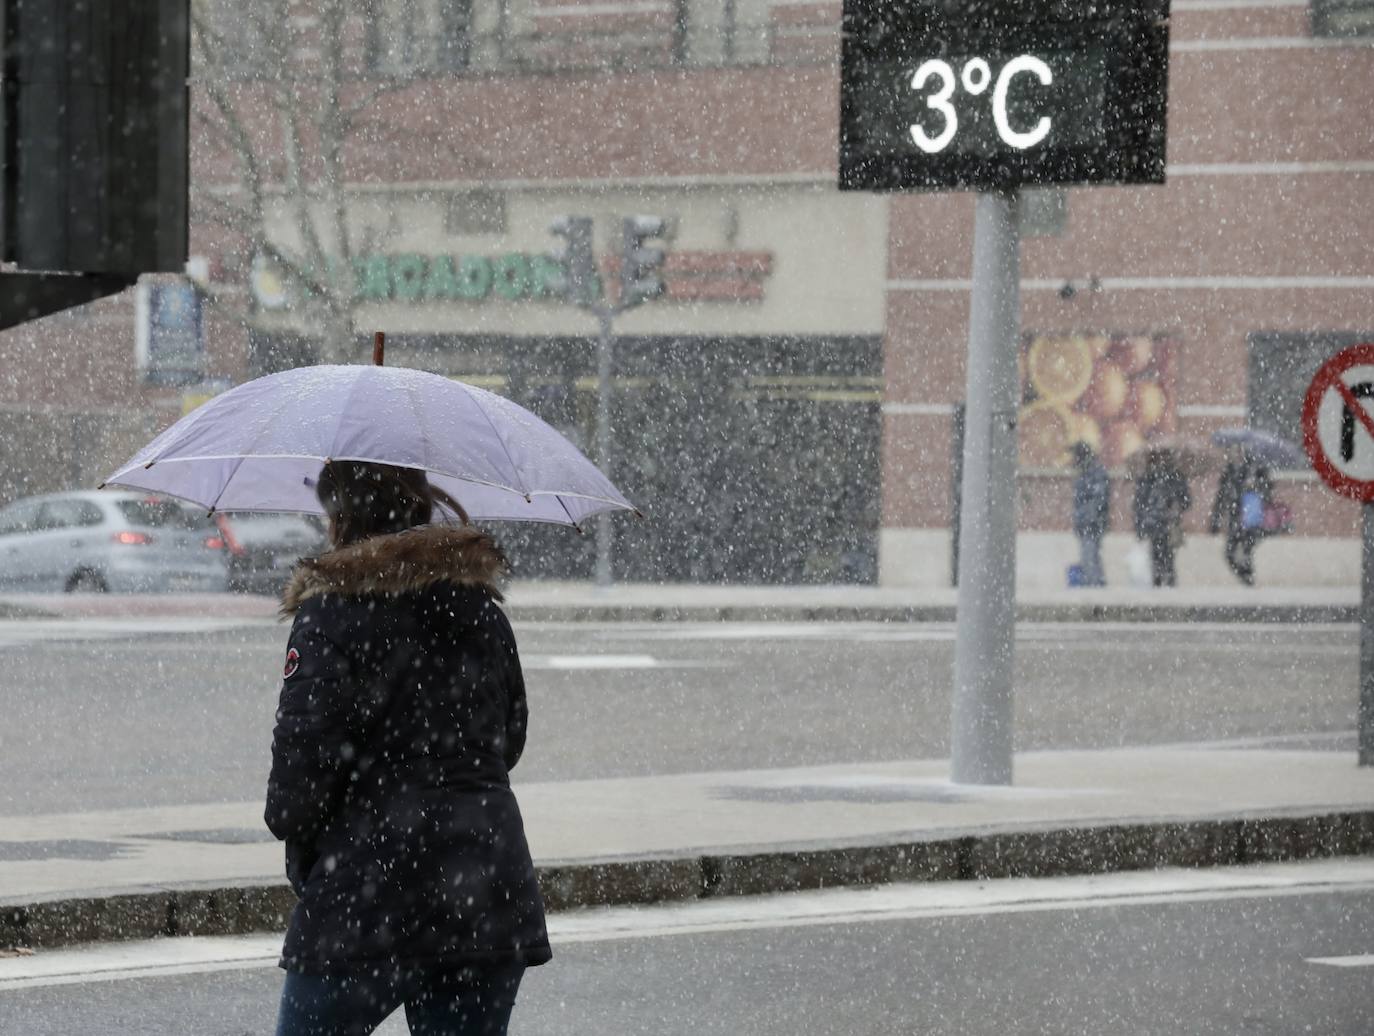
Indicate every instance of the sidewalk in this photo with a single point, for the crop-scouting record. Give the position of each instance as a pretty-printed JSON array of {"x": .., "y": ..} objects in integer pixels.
[
  {"x": 632, "y": 602},
  {"x": 213, "y": 869}
]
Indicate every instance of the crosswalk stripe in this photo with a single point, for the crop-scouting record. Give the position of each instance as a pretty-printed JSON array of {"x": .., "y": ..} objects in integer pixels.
[
  {"x": 24, "y": 632},
  {"x": 1358, "y": 960},
  {"x": 580, "y": 662}
]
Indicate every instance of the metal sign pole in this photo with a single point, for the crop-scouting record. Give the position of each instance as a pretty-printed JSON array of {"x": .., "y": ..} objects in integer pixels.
[
  {"x": 1366, "y": 706},
  {"x": 1333, "y": 412},
  {"x": 603, "y": 438},
  {"x": 981, "y": 739}
]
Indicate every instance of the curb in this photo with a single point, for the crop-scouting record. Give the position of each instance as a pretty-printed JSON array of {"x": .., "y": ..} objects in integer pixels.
[
  {"x": 239, "y": 909},
  {"x": 1086, "y": 612},
  {"x": 1059, "y": 611},
  {"x": 10, "y": 610}
]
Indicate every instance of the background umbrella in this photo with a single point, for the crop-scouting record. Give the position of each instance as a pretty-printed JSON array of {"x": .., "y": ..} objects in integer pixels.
[
  {"x": 1262, "y": 446},
  {"x": 260, "y": 446},
  {"x": 1192, "y": 458}
]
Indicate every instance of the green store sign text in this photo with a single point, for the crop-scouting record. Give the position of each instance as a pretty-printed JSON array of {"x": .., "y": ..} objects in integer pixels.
[{"x": 467, "y": 278}]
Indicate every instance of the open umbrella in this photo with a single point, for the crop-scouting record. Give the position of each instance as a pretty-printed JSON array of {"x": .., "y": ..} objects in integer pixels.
[
  {"x": 1191, "y": 458},
  {"x": 1262, "y": 446},
  {"x": 260, "y": 446}
]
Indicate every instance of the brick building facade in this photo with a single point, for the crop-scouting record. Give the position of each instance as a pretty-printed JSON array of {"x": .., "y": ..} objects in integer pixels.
[{"x": 785, "y": 413}]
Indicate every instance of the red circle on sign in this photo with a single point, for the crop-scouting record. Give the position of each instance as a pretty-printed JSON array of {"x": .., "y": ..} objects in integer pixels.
[{"x": 1327, "y": 377}]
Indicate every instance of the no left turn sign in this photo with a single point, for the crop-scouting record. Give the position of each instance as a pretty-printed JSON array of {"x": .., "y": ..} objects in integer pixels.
[{"x": 1338, "y": 422}]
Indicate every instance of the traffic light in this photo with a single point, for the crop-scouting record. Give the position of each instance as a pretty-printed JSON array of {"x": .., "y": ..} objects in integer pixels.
[
  {"x": 641, "y": 265},
  {"x": 579, "y": 282}
]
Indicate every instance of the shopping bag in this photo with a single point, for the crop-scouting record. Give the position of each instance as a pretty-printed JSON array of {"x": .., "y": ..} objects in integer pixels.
[
  {"x": 1278, "y": 518},
  {"x": 1251, "y": 510},
  {"x": 1138, "y": 565}
]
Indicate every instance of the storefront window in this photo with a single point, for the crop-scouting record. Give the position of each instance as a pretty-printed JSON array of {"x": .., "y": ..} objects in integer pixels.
[
  {"x": 415, "y": 37},
  {"x": 256, "y": 46},
  {"x": 1343, "y": 17},
  {"x": 1282, "y": 365},
  {"x": 1044, "y": 211}
]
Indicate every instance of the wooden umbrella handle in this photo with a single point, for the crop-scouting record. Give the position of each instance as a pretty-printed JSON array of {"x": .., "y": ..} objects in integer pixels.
[{"x": 378, "y": 347}]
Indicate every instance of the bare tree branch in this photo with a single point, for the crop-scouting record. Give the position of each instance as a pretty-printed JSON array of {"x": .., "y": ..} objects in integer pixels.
[
  {"x": 243, "y": 219},
  {"x": 292, "y": 203},
  {"x": 231, "y": 125}
]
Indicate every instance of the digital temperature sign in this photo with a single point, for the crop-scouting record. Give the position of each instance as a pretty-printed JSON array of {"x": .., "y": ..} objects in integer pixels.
[{"x": 948, "y": 94}]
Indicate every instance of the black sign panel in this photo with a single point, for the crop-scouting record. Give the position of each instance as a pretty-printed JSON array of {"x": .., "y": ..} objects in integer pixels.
[
  {"x": 940, "y": 94},
  {"x": 93, "y": 134}
]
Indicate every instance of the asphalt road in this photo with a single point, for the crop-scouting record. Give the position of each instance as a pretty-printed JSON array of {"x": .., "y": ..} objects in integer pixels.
[
  {"x": 102, "y": 715},
  {"x": 1173, "y": 952}
]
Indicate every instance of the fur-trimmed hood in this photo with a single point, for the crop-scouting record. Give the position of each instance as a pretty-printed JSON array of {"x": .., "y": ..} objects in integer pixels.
[{"x": 399, "y": 562}]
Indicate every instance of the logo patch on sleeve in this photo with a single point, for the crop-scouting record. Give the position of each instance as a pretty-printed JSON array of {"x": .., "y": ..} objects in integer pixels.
[{"x": 293, "y": 662}]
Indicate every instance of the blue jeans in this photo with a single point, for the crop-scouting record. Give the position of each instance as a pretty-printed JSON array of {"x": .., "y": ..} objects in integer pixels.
[
  {"x": 1090, "y": 559},
  {"x": 473, "y": 1001}
]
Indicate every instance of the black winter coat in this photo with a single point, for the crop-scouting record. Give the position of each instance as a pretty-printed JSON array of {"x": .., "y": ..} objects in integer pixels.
[
  {"x": 1092, "y": 499},
  {"x": 1161, "y": 497},
  {"x": 402, "y": 711}
]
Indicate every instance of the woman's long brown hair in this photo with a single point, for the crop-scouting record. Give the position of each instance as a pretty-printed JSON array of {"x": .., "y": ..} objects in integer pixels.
[{"x": 364, "y": 499}]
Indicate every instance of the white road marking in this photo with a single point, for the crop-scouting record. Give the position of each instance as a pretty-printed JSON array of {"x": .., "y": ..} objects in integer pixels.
[
  {"x": 1359, "y": 960},
  {"x": 1264, "y": 740},
  {"x": 899, "y": 632},
  {"x": 964, "y": 898},
  {"x": 107, "y": 962},
  {"x": 585, "y": 662},
  {"x": 23, "y": 632},
  {"x": 183, "y": 956},
  {"x": 849, "y": 631}
]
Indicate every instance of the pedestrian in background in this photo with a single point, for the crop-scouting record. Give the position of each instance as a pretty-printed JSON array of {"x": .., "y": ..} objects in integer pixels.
[
  {"x": 1161, "y": 498},
  {"x": 402, "y": 712},
  {"x": 1244, "y": 497},
  {"x": 1092, "y": 499}
]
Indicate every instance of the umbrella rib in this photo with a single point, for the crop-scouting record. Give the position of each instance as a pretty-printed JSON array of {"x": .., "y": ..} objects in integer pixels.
[
  {"x": 515, "y": 468},
  {"x": 344, "y": 410},
  {"x": 566, "y": 511},
  {"x": 420, "y": 420},
  {"x": 214, "y": 504}
]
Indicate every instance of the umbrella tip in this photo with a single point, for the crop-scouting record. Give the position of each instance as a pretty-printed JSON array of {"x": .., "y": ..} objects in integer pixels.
[
  {"x": 378, "y": 348},
  {"x": 149, "y": 465},
  {"x": 101, "y": 486}
]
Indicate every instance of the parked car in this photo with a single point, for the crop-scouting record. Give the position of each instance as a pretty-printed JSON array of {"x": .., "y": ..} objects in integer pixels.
[
  {"x": 262, "y": 548},
  {"x": 108, "y": 540}
]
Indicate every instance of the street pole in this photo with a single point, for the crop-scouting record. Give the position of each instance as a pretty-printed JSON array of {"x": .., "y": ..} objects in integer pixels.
[
  {"x": 604, "y": 316},
  {"x": 1366, "y": 707},
  {"x": 981, "y": 738}
]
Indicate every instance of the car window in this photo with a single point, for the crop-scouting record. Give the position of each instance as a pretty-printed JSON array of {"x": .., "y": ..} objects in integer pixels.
[
  {"x": 161, "y": 514},
  {"x": 19, "y": 517},
  {"x": 67, "y": 514}
]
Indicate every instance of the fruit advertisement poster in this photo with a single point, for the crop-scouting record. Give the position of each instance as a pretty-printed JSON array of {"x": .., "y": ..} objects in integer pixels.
[{"x": 1113, "y": 391}]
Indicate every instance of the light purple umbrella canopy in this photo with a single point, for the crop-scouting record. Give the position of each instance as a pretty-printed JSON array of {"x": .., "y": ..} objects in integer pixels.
[
  {"x": 1263, "y": 446},
  {"x": 260, "y": 446}
]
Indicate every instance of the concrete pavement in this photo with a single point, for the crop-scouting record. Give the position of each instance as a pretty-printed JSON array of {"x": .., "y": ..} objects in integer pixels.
[
  {"x": 655, "y": 602},
  {"x": 213, "y": 869}
]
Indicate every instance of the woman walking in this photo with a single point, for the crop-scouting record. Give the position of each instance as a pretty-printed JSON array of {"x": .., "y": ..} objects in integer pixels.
[
  {"x": 1244, "y": 495},
  {"x": 1161, "y": 497},
  {"x": 402, "y": 711}
]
